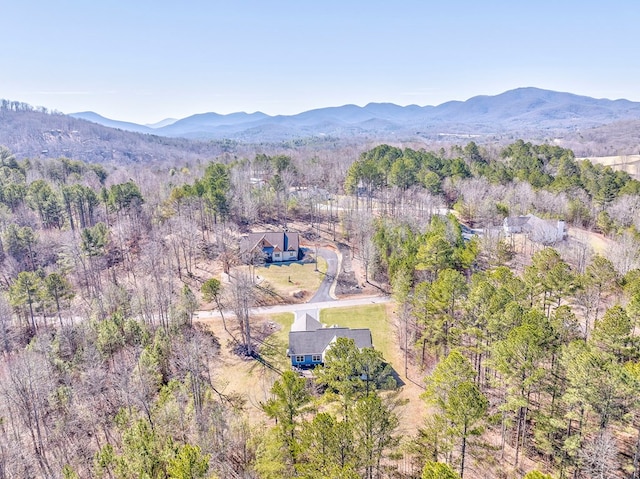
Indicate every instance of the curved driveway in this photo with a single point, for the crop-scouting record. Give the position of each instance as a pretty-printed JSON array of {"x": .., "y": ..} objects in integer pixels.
[
  {"x": 322, "y": 299},
  {"x": 324, "y": 291}
]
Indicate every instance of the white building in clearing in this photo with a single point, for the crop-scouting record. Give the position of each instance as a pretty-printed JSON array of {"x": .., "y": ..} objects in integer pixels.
[
  {"x": 546, "y": 232},
  {"x": 276, "y": 246}
]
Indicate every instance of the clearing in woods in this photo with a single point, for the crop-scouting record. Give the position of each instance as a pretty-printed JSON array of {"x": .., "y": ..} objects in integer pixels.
[
  {"x": 628, "y": 163},
  {"x": 252, "y": 380}
]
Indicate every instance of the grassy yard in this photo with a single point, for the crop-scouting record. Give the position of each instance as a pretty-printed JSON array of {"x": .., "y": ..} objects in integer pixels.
[
  {"x": 285, "y": 320},
  {"x": 252, "y": 380},
  {"x": 287, "y": 278},
  {"x": 372, "y": 316}
]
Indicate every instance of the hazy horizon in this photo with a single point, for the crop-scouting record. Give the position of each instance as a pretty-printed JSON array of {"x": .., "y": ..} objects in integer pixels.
[{"x": 144, "y": 62}]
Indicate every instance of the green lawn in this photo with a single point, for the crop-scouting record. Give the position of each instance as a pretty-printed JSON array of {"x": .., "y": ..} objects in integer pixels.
[
  {"x": 372, "y": 316},
  {"x": 285, "y": 320},
  {"x": 289, "y": 277}
]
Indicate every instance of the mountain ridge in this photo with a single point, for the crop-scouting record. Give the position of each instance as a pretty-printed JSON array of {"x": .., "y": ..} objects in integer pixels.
[
  {"x": 585, "y": 124},
  {"x": 520, "y": 108}
]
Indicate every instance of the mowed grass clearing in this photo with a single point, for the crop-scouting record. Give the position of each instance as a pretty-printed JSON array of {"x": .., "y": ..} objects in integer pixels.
[
  {"x": 287, "y": 278},
  {"x": 253, "y": 381},
  {"x": 372, "y": 316}
]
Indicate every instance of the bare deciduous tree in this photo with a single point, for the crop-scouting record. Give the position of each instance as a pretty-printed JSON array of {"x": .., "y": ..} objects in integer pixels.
[
  {"x": 625, "y": 253},
  {"x": 598, "y": 456},
  {"x": 26, "y": 386},
  {"x": 242, "y": 297}
]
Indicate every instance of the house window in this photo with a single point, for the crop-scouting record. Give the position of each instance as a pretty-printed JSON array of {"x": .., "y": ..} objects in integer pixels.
[
  {"x": 299, "y": 359},
  {"x": 316, "y": 358}
]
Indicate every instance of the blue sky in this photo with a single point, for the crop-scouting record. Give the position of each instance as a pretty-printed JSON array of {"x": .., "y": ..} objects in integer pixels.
[{"x": 143, "y": 60}]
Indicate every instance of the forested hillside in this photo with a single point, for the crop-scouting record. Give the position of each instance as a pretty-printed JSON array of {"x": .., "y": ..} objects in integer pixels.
[
  {"x": 523, "y": 112},
  {"x": 527, "y": 352},
  {"x": 37, "y": 133},
  {"x": 596, "y": 128}
]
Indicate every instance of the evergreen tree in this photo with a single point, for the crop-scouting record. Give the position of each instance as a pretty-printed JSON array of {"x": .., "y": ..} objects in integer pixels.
[
  {"x": 26, "y": 290},
  {"x": 613, "y": 334},
  {"x": 327, "y": 447},
  {"x": 189, "y": 463},
  {"x": 519, "y": 359},
  {"x": 459, "y": 402},
  {"x": 438, "y": 470},
  {"x": 289, "y": 402},
  {"x": 374, "y": 424},
  {"x": 58, "y": 288},
  {"x": 212, "y": 291}
]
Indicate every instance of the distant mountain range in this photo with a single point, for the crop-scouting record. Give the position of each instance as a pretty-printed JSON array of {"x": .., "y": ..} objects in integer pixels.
[
  {"x": 587, "y": 125},
  {"x": 522, "y": 110}
]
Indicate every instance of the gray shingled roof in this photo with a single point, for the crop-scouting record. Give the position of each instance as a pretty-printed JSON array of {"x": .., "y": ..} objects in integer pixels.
[
  {"x": 315, "y": 342},
  {"x": 306, "y": 321},
  {"x": 516, "y": 220},
  {"x": 281, "y": 240}
]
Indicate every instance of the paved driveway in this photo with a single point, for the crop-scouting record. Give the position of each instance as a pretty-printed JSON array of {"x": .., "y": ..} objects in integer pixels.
[
  {"x": 324, "y": 291},
  {"x": 322, "y": 299}
]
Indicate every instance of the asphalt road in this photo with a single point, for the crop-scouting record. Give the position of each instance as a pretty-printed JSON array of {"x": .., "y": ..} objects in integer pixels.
[{"x": 290, "y": 308}]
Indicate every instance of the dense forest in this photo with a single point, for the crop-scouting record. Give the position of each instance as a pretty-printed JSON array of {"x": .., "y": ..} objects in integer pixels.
[{"x": 527, "y": 352}]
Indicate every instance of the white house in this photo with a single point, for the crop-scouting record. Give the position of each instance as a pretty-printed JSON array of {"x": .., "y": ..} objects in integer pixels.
[
  {"x": 277, "y": 247},
  {"x": 541, "y": 231}
]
